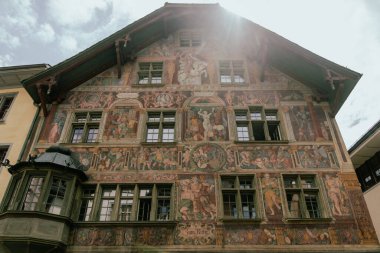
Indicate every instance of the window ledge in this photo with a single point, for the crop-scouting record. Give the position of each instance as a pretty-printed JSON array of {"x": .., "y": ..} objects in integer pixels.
[
  {"x": 147, "y": 85},
  {"x": 127, "y": 223},
  {"x": 241, "y": 221},
  {"x": 36, "y": 214},
  {"x": 308, "y": 220},
  {"x": 159, "y": 143},
  {"x": 234, "y": 84},
  {"x": 262, "y": 142}
]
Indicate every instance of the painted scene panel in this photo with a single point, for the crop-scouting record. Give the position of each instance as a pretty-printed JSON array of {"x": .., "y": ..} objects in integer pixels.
[
  {"x": 197, "y": 199},
  {"x": 121, "y": 124},
  {"x": 206, "y": 124}
]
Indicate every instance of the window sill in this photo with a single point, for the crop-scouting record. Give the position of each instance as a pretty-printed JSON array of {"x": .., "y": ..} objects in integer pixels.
[
  {"x": 149, "y": 85},
  {"x": 241, "y": 221},
  {"x": 159, "y": 143},
  {"x": 308, "y": 220},
  {"x": 234, "y": 84},
  {"x": 127, "y": 223},
  {"x": 262, "y": 142}
]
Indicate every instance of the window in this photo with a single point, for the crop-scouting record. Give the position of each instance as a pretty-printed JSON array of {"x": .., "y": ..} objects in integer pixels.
[
  {"x": 160, "y": 127},
  {"x": 3, "y": 153},
  {"x": 150, "y": 73},
  {"x": 33, "y": 193},
  {"x": 56, "y": 196},
  {"x": 107, "y": 204},
  {"x": 239, "y": 197},
  {"x": 88, "y": 195},
  {"x": 5, "y": 104},
  {"x": 256, "y": 124},
  {"x": 302, "y": 197},
  {"x": 190, "y": 39},
  {"x": 85, "y": 127},
  {"x": 231, "y": 72},
  {"x": 145, "y": 202}
]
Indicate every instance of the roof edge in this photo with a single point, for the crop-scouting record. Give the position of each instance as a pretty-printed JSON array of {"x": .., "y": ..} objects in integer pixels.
[{"x": 364, "y": 137}]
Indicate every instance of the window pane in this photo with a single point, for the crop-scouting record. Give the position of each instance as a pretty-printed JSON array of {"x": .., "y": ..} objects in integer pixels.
[
  {"x": 274, "y": 132},
  {"x": 311, "y": 200},
  {"x": 258, "y": 131},
  {"x": 77, "y": 134},
  {"x": 248, "y": 205},
  {"x": 107, "y": 204},
  {"x": 239, "y": 77},
  {"x": 154, "y": 117},
  {"x": 168, "y": 134},
  {"x": 33, "y": 193},
  {"x": 240, "y": 115},
  {"x": 169, "y": 117},
  {"x": 56, "y": 196},
  {"x": 3, "y": 153},
  {"x": 125, "y": 209},
  {"x": 152, "y": 134},
  {"x": 245, "y": 183},
  {"x": 92, "y": 135},
  {"x": 95, "y": 116},
  {"x": 229, "y": 204},
  {"x": 228, "y": 183},
  {"x": 163, "y": 209},
  {"x": 242, "y": 132},
  {"x": 80, "y": 117},
  {"x": 293, "y": 200},
  {"x": 4, "y": 107},
  {"x": 290, "y": 182},
  {"x": 156, "y": 77},
  {"x": 256, "y": 116},
  {"x": 144, "y": 209},
  {"x": 87, "y": 204}
]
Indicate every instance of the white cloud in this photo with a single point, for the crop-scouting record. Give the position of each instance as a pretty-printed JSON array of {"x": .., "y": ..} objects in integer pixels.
[
  {"x": 8, "y": 39},
  {"x": 73, "y": 13},
  {"x": 68, "y": 43},
  {"x": 46, "y": 33},
  {"x": 5, "y": 60}
]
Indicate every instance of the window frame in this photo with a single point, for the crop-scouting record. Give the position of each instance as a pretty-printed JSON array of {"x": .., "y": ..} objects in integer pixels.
[
  {"x": 238, "y": 191},
  {"x": 232, "y": 70},
  {"x": 115, "y": 214},
  {"x": 3, "y": 110},
  {"x": 257, "y": 117},
  {"x": 193, "y": 37},
  {"x": 19, "y": 187},
  {"x": 303, "y": 188},
  {"x": 90, "y": 121},
  {"x": 149, "y": 73},
  {"x": 160, "y": 124}
]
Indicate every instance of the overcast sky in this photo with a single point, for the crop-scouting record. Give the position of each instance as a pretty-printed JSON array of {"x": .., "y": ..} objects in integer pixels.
[{"x": 346, "y": 32}]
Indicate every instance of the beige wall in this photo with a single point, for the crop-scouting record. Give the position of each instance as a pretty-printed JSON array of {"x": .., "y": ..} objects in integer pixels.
[
  {"x": 373, "y": 202},
  {"x": 14, "y": 129}
]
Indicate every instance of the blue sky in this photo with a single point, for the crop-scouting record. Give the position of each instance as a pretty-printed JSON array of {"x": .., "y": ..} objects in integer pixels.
[{"x": 344, "y": 31}]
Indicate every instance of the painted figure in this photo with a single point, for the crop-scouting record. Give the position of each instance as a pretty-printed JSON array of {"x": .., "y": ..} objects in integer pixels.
[
  {"x": 272, "y": 201},
  {"x": 337, "y": 197}
]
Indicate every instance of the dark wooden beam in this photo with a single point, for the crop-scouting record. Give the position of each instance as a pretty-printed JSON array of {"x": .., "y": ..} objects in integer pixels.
[
  {"x": 118, "y": 60},
  {"x": 41, "y": 94}
]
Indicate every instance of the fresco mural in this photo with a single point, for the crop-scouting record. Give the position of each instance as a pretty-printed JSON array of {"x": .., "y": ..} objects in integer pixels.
[
  {"x": 121, "y": 124},
  {"x": 106, "y": 78},
  {"x": 197, "y": 197},
  {"x": 248, "y": 98},
  {"x": 206, "y": 124},
  {"x": 90, "y": 100},
  {"x": 347, "y": 236},
  {"x": 122, "y": 177},
  {"x": 158, "y": 159},
  {"x": 272, "y": 200},
  {"x": 265, "y": 157},
  {"x": 243, "y": 235},
  {"x": 119, "y": 236},
  {"x": 56, "y": 126},
  {"x": 302, "y": 236},
  {"x": 314, "y": 156},
  {"x": 208, "y": 157},
  {"x": 111, "y": 159},
  {"x": 338, "y": 198},
  {"x": 191, "y": 69},
  {"x": 160, "y": 99},
  {"x": 309, "y": 124},
  {"x": 85, "y": 156},
  {"x": 195, "y": 233},
  {"x": 163, "y": 47},
  {"x": 362, "y": 215},
  {"x": 290, "y": 95}
]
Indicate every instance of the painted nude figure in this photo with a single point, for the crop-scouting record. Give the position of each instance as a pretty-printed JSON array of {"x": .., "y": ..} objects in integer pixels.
[{"x": 271, "y": 199}]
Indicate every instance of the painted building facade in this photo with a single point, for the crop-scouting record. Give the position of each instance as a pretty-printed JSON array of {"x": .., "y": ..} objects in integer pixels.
[
  {"x": 365, "y": 156},
  {"x": 190, "y": 138},
  {"x": 16, "y": 115}
]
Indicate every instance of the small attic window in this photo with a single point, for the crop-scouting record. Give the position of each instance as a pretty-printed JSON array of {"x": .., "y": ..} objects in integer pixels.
[{"x": 190, "y": 39}]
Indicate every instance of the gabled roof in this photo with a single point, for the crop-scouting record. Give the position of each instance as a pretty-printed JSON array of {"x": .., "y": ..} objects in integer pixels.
[
  {"x": 11, "y": 76},
  {"x": 328, "y": 80}
]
